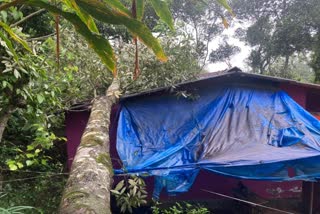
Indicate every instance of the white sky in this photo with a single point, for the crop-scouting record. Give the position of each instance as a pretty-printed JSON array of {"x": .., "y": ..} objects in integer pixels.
[{"x": 237, "y": 60}]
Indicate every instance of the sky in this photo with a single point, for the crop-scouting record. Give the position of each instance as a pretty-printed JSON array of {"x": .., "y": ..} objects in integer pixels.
[{"x": 237, "y": 60}]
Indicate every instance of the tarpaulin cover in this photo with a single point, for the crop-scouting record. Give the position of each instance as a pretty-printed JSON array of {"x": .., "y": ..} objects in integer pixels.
[{"x": 237, "y": 131}]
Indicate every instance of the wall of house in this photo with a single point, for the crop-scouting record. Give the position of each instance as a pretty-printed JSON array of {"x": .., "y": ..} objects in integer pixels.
[
  {"x": 308, "y": 98},
  {"x": 313, "y": 103},
  {"x": 298, "y": 93},
  {"x": 76, "y": 122}
]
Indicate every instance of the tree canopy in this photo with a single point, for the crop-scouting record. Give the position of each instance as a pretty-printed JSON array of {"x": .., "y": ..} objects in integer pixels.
[{"x": 280, "y": 31}]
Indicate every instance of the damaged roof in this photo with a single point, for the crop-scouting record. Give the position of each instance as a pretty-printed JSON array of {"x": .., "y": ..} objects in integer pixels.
[{"x": 235, "y": 74}]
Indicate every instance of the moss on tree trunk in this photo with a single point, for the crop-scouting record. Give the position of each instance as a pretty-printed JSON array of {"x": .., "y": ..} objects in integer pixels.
[{"x": 88, "y": 187}]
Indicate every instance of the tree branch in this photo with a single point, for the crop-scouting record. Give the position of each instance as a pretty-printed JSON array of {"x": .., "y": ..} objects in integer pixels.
[
  {"x": 27, "y": 17},
  {"x": 135, "y": 40},
  {"x": 11, "y": 4},
  {"x": 41, "y": 37}
]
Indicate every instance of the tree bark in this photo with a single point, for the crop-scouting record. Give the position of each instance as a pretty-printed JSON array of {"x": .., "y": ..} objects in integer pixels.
[
  {"x": 286, "y": 65},
  {"x": 3, "y": 123},
  {"x": 4, "y": 118},
  {"x": 315, "y": 63},
  {"x": 88, "y": 187}
]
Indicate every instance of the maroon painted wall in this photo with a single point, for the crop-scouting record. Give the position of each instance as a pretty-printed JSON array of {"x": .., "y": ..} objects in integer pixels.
[
  {"x": 313, "y": 101},
  {"x": 298, "y": 93},
  {"x": 76, "y": 122}
]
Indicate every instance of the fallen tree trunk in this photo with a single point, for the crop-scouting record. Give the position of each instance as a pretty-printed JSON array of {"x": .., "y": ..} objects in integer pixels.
[{"x": 88, "y": 187}]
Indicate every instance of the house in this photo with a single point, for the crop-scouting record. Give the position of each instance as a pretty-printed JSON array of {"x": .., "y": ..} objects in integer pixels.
[{"x": 306, "y": 95}]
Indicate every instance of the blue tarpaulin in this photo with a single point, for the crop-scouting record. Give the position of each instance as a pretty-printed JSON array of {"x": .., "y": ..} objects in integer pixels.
[{"x": 238, "y": 131}]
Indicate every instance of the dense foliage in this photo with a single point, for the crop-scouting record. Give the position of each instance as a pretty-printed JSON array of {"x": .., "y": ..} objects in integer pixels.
[{"x": 283, "y": 36}]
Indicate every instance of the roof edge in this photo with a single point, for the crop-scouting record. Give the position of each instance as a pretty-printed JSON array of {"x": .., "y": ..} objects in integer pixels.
[{"x": 230, "y": 72}]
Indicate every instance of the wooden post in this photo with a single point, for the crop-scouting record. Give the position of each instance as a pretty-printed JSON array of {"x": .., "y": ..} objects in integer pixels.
[{"x": 311, "y": 197}]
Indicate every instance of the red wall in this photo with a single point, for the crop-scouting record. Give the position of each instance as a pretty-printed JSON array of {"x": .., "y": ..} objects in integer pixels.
[
  {"x": 76, "y": 122},
  {"x": 313, "y": 102},
  {"x": 298, "y": 93}
]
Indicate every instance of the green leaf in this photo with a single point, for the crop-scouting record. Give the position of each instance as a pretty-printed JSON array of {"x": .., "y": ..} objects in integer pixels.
[
  {"x": 43, "y": 161},
  {"x": 102, "y": 13},
  {"x": 132, "y": 182},
  {"x": 63, "y": 139},
  {"x": 143, "y": 202},
  {"x": 10, "y": 162},
  {"x": 29, "y": 148},
  {"x": 225, "y": 4},
  {"x": 10, "y": 86},
  {"x": 135, "y": 188},
  {"x": 17, "y": 209},
  {"x": 16, "y": 74},
  {"x": 40, "y": 98},
  {"x": 144, "y": 192},
  {"x": 86, "y": 18},
  {"x": 13, "y": 167},
  {"x": 20, "y": 165},
  {"x": 18, "y": 150},
  {"x": 118, "y": 7},
  {"x": 123, "y": 207},
  {"x": 98, "y": 43},
  {"x": 140, "y": 9},
  {"x": 4, "y": 15},
  {"x": 10, "y": 46},
  {"x": 29, "y": 162},
  {"x": 115, "y": 192},
  {"x": 162, "y": 10},
  {"x": 144, "y": 196},
  {"x": 15, "y": 36},
  {"x": 122, "y": 191},
  {"x": 4, "y": 84},
  {"x": 119, "y": 185},
  {"x": 29, "y": 155},
  {"x": 130, "y": 209}
]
